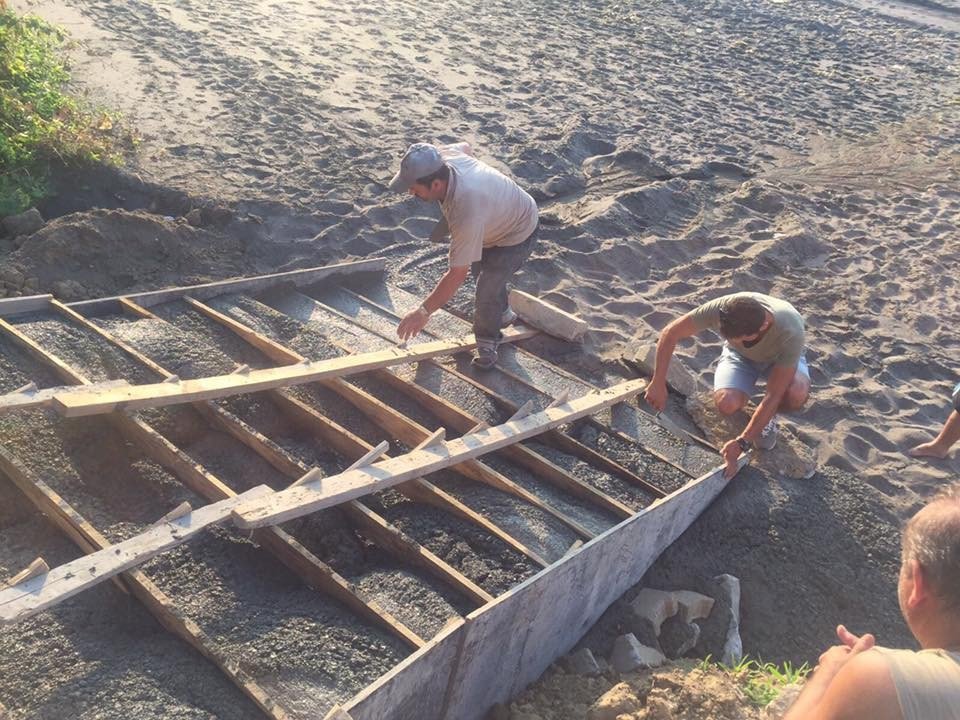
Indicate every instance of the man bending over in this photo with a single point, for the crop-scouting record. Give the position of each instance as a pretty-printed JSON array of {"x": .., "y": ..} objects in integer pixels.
[
  {"x": 493, "y": 227},
  {"x": 857, "y": 681},
  {"x": 764, "y": 337}
]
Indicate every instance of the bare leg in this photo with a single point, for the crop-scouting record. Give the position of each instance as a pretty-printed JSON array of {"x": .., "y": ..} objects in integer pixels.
[
  {"x": 940, "y": 446},
  {"x": 729, "y": 400},
  {"x": 796, "y": 395}
]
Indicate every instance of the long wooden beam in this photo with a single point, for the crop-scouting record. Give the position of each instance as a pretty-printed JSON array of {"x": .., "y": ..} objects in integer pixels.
[
  {"x": 28, "y": 303},
  {"x": 37, "y": 594},
  {"x": 89, "y": 540},
  {"x": 95, "y": 400},
  {"x": 312, "y": 496},
  {"x": 298, "y": 559},
  {"x": 305, "y": 276}
]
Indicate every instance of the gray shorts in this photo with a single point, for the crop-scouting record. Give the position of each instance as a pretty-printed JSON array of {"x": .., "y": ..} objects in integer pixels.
[{"x": 735, "y": 372}]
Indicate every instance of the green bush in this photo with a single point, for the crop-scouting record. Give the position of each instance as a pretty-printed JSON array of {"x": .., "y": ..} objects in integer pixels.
[{"x": 41, "y": 127}]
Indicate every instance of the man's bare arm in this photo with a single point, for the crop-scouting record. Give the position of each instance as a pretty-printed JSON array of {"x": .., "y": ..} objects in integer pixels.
[
  {"x": 777, "y": 383},
  {"x": 682, "y": 327},
  {"x": 860, "y": 689}
]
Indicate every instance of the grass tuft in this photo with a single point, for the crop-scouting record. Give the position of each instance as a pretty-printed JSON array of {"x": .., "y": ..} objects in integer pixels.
[
  {"x": 761, "y": 681},
  {"x": 41, "y": 127}
]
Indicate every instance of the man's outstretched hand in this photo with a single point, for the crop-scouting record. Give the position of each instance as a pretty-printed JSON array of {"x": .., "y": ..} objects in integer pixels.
[{"x": 412, "y": 323}]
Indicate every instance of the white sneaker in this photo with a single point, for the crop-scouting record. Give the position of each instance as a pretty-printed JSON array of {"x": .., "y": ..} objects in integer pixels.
[
  {"x": 768, "y": 437},
  {"x": 509, "y": 317}
]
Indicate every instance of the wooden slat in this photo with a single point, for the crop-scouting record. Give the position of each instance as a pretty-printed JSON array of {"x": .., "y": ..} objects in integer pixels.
[
  {"x": 239, "y": 285},
  {"x": 29, "y": 597},
  {"x": 89, "y": 540},
  {"x": 327, "y": 492},
  {"x": 62, "y": 369},
  {"x": 93, "y": 400}
]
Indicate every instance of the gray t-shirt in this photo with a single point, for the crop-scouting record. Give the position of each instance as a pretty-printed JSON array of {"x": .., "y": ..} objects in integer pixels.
[
  {"x": 483, "y": 207},
  {"x": 927, "y": 683},
  {"x": 783, "y": 342}
]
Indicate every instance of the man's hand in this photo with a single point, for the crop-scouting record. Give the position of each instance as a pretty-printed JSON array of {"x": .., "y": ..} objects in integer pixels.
[
  {"x": 656, "y": 394},
  {"x": 839, "y": 655},
  {"x": 412, "y": 323},
  {"x": 730, "y": 452}
]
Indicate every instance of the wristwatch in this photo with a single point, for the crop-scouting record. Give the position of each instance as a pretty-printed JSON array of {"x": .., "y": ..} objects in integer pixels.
[{"x": 745, "y": 445}]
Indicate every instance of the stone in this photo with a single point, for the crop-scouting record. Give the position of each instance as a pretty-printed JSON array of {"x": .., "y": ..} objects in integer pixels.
[
  {"x": 67, "y": 290},
  {"x": 693, "y": 605},
  {"x": 678, "y": 637},
  {"x": 26, "y": 223},
  {"x": 729, "y": 586},
  {"x": 655, "y": 606},
  {"x": 11, "y": 277},
  {"x": 32, "y": 284},
  {"x": 619, "y": 700},
  {"x": 582, "y": 662},
  {"x": 195, "y": 217},
  {"x": 629, "y": 655}
]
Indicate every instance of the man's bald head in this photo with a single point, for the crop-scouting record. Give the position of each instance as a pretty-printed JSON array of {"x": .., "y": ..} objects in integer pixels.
[{"x": 932, "y": 539}]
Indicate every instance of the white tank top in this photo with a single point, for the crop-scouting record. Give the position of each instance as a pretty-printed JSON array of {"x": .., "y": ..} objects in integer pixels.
[{"x": 927, "y": 683}]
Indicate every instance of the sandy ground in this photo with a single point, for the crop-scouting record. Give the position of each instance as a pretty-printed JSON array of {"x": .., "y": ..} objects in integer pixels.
[{"x": 678, "y": 151}]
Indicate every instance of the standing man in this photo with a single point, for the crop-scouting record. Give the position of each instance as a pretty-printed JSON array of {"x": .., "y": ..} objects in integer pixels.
[
  {"x": 764, "y": 337},
  {"x": 492, "y": 224},
  {"x": 857, "y": 681}
]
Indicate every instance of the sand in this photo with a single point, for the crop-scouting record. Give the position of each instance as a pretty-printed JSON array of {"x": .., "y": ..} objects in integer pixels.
[{"x": 678, "y": 151}]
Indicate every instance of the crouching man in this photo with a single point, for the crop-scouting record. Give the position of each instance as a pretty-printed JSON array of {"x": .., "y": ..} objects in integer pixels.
[
  {"x": 493, "y": 227},
  {"x": 764, "y": 337},
  {"x": 857, "y": 681}
]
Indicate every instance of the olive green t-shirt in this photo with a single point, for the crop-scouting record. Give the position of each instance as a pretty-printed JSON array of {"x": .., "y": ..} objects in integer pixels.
[{"x": 783, "y": 342}]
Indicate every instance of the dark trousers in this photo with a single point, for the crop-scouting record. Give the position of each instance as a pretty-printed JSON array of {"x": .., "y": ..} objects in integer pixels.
[{"x": 493, "y": 271}]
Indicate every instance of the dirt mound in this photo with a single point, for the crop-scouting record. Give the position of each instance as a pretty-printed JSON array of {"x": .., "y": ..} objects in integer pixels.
[
  {"x": 105, "y": 252},
  {"x": 676, "y": 692}
]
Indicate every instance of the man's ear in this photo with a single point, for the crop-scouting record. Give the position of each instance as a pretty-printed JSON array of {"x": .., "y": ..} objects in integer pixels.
[{"x": 919, "y": 584}]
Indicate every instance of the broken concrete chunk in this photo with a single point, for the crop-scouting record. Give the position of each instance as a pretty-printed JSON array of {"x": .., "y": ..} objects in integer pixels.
[
  {"x": 582, "y": 662},
  {"x": 678, "y": 637},
  {"x": 729, "y": 586},
  {"x": 26, "y": 223},
  {"x": 693, "y": 605},
  {"x": 629, "y": 655},
  {"x": 655, "y": 606}
]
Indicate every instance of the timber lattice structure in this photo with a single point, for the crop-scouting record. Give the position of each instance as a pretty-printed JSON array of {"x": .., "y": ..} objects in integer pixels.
[{"x": 525, "y": 496}]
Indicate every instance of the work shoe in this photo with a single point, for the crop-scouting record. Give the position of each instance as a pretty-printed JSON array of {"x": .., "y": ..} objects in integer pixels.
[
  {"x": 768, "y": 437},
  {"x": 509, "y": 317},
  {"x": 486, "y": 357}
]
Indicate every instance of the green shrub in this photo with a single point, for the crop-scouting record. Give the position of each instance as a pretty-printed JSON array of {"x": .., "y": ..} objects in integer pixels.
[{"x": 41, "y": 127}]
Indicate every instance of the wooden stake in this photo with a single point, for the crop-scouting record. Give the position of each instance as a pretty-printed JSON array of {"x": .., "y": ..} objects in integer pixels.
[{"x": 37, "y": 567}]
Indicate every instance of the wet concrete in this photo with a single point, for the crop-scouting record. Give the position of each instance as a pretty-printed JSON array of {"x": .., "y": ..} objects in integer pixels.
[{"x": 98, "y": 654}]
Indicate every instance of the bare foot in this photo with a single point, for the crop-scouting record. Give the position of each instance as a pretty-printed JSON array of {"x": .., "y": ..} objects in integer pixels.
[{"x": 930, "y": 449}]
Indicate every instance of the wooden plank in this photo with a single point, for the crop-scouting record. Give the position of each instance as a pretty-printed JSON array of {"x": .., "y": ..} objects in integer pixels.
[
  {"x": 203, "y": 291},
  {"x": 89, "y": 540},
  {"x": 307, "y": 498},
  {"x": 547, "y": 317},
  {"x": 28, "y": 303},
  {"x": 94, "y": 400},
  {"x": 31, "y": 596}
]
